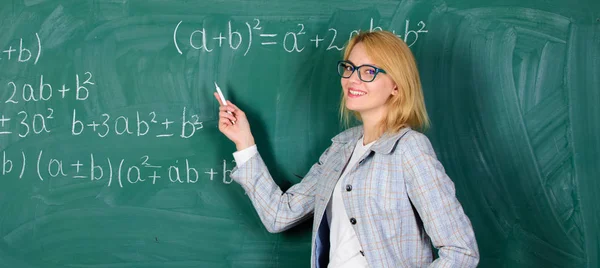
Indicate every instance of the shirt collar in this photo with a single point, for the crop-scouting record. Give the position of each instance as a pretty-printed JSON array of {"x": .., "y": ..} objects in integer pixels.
[{"x": 384, "y": 145}]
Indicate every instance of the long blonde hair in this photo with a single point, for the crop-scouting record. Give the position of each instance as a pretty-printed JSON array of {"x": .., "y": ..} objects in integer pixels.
[{"x": 407, "y": 108}]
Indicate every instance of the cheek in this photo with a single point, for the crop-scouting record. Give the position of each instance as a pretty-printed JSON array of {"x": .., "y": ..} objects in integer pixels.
[
  {"x": 386, "y": 88},
  {"x": 344, "y": 83},
  {"x": 380, "y": 91}
]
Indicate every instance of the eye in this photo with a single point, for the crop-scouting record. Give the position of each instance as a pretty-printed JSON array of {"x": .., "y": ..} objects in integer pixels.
[
  {"x": 348, "y": 67},
  {"x": 370, "y": 71}
]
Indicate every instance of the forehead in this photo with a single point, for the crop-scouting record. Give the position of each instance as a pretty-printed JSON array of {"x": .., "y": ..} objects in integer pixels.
[{"x": 359, "y": 56}]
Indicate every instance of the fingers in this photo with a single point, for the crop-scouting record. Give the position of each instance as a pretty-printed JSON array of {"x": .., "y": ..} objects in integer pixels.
[
  {"x": 218, "y": 98},
  {"x": 226, "y": 108},
  {"x": 233, "y": 105},
  {"x": 226, "y": 120},
  {"x": 224, "y": 123},
  {"x": 227, "y": 115},
  {"x": 238, "y": 112},
  {"x": 227, "y": 112}
]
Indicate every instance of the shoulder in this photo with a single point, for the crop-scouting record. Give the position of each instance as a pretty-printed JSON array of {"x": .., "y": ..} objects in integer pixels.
[
  {"x": 390, "y": 143},
  {"x": 414, "y": 137},
  {"x": 414, "y": 142},
  {"x": 348, "y": 135}
]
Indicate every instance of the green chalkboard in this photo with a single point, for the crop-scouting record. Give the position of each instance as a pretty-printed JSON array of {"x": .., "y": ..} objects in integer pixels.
[{"x": 110, "y": 154}]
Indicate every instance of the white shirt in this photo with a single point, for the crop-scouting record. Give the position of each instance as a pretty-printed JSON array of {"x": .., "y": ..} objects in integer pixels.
[{"x": 345, "y": 247}]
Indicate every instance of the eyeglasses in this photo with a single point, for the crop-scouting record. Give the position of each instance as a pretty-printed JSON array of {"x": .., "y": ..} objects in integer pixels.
[{"x": 366, "y": 72}]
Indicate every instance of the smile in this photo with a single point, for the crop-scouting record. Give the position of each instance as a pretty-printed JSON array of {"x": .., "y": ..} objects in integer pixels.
[{"x": 356, "y": 93}]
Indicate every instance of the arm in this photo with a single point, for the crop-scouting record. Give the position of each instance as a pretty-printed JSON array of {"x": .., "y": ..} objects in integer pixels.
[
  {"x": 278, "y": 210},
  {"x": 433, "y": 194}
]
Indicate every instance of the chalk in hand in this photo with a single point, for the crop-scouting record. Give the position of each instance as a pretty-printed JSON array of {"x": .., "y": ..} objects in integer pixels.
[{"x": 223, "y": 99}]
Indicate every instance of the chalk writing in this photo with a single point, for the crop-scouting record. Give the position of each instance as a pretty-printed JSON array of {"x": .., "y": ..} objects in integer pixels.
[
  {"x": 293, "y": 41},
  {"x": 143, "y": 124},
  {"x": 140, "y": 126},
  {"x": 23, "y": 53},
  {"x": 119, "y": 172},
  {"x": 40, "y": 90}
]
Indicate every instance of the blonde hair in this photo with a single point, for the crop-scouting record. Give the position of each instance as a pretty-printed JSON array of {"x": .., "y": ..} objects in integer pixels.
[{"x": 407, "y": 108}]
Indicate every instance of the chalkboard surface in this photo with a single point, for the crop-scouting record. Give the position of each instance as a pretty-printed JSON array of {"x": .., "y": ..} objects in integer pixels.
[{"x": 110, "y": 155}]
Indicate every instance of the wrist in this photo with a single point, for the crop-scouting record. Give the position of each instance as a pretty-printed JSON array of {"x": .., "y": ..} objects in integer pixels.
[{"x": 245, "y": 144}]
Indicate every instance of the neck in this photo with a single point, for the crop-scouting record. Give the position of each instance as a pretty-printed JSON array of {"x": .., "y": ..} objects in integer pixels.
[{"x": 371, "y": 130}]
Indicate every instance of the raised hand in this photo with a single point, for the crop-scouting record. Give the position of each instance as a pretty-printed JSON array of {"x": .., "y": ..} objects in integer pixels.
[{"x": 234, "y": 124}]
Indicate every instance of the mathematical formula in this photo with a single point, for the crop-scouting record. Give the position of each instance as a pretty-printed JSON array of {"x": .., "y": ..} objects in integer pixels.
[
  {"x": 119, "y": 172},
  {"x": 144, "y": 124},
  {"x": 37, "y": 123},
  {"x": 42, "y": 91},
  {"x": 294, "y": 41},
  {"x": 23, "y": 53}
]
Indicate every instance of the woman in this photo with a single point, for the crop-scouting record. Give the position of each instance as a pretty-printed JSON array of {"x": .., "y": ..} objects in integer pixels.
[{"x": 378, "y": 194}]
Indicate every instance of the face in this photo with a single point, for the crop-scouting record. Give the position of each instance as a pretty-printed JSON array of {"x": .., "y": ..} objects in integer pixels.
[{"x": 366, "y": 98}]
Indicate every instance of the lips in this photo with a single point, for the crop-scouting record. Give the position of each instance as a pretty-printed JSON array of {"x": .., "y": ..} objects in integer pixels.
[{"x": 354, "y": 93}]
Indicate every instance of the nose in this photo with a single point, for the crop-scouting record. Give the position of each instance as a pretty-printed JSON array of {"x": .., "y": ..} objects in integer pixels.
[{"x": 354, "y": 77}]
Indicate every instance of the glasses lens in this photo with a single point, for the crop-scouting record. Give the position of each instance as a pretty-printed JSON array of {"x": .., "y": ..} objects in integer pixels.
[
  {"x": 367, "y": 73},
  {"x": 345, "y": 69}
]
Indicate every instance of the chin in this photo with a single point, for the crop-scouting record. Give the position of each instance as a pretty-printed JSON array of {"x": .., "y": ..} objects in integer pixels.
[{"x": 354, "y": 108}]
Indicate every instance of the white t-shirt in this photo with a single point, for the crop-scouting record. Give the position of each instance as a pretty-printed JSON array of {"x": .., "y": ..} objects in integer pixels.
[
  {"x": 345, "y": 248},
  {"x": 345, "y": 251}
]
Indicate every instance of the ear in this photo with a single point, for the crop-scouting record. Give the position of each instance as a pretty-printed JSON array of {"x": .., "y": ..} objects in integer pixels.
[{"x": 395, "y": 90}]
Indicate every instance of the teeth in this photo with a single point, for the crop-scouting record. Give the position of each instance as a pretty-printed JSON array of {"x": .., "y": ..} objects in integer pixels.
[{"x": 357, "y": 92}]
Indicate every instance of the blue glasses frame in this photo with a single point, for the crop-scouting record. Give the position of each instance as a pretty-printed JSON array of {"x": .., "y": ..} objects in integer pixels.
[{"x": 357, "y": 68}]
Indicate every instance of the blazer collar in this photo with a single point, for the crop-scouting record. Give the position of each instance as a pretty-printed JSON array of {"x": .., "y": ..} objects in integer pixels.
[{"x": 384, "y": 145}]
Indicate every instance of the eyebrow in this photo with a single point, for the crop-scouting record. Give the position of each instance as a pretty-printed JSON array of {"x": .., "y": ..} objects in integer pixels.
[{"x": 369, "y": 64}]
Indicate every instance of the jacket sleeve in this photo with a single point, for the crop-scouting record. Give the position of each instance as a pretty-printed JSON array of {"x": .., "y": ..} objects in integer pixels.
[
  {"x": 278, "y": 210},
  {"x": 433, "y": 194}
]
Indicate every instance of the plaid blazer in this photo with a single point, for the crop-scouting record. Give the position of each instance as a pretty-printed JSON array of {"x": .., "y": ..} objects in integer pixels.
[{"x": 398, "y": 197}]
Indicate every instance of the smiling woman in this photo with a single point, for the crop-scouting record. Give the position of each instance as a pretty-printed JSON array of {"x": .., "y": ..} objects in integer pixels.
[
  {"x": 404, "y": 107},
  {"x": 379, "y": 196}
]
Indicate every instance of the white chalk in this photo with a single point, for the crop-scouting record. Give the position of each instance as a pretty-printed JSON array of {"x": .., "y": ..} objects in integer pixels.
[
  {"x": 223, "y": 99},
  {"x": 221, "y": 94}
]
